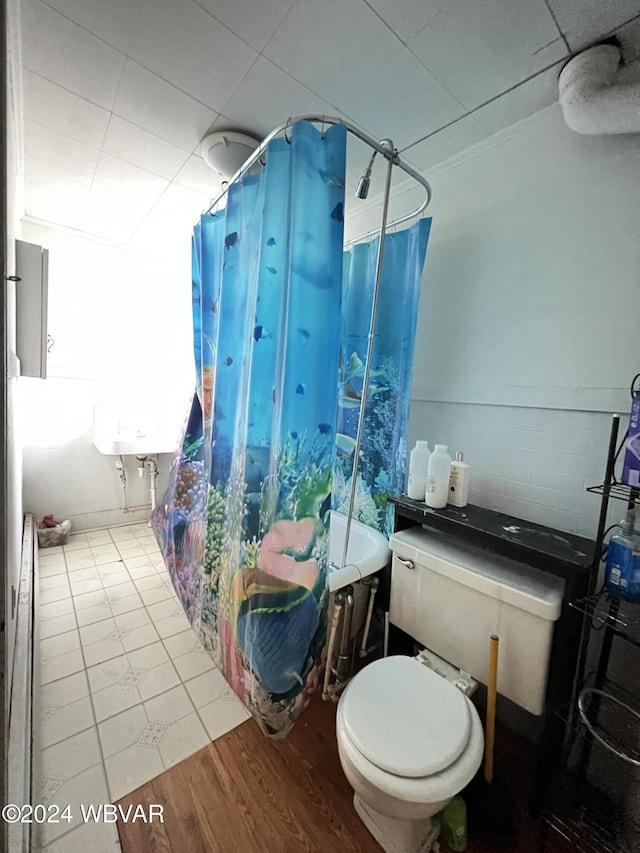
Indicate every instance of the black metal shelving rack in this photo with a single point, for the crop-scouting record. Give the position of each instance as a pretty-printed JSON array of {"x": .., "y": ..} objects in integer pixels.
[{"x": 586, "y": 815}]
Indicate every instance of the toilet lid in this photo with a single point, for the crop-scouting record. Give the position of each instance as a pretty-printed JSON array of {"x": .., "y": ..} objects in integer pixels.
[{"x": 404, "y": 718}]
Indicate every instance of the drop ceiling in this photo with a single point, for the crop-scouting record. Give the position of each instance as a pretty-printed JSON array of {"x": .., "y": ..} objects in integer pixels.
[{"x": 117, "y": 94}]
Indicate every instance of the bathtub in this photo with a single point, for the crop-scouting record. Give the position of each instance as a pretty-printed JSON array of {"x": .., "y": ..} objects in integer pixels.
[{"x": 368, "y": 551}]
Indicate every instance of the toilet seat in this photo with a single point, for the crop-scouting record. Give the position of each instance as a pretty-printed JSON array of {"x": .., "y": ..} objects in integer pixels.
[{"x": 405, "y": 719}]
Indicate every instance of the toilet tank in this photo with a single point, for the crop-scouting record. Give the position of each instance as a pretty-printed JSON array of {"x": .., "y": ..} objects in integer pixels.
[{"x": 451, "y": 596}]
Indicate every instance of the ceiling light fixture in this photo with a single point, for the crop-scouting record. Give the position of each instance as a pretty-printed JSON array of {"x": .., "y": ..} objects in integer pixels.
[{"x": 225, "y": 151}]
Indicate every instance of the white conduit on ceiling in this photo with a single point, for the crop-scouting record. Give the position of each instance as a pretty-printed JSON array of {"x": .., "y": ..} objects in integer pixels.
[{"x": 593, "y": 98}]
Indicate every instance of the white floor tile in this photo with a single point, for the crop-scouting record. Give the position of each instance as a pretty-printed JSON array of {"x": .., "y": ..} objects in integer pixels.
[
  {"x": 49, "y": 556},
  {"x": 158, "y": 680},
  {"x": 115, "y": 578},
  {"x": 93, "y": 837},
  {"x": 47, "y": 569},
  {"x": 104, "y": 650},
  {"x": 124, "y": 603},
  {"x": 58, "y": 594},
  {"x": 89, "y": 787},
  {"x": 183, "y": 738},
  {"x": 65, "y": 691},
  {"x": 122, "y": 534},
  {"x": 49, "y": 627},
  {"x": 122, "y": 730},
  {"x": 72, "y": 756},
  {"x": 131, "y": 768},
  {"x": 222, "y": 715},
  {"x": 89, "y": 615},
  {"x": 155, "y": 595},
  {"x": 170, "y": 706},
  {"x": 60, "y": 666},
  {"x": 112, "y": 700},
  {"x": 53, "y": 582},
  {"x": 168, "y": 617},
  {"x": 206, "y": 688},
  {"x": 145, "y": 570},
  {"x": 77, "y": 541},
  {"x": 98, "y": 537},
  {"x": 75, "y": 565},
  {"x": 60, "y": 722},
  {"x": 90, "y": 599},
  {"x": 106, "y": 556},
  {"x": 192, "y": 664},
  {"x": 130, "y": 549},
  {"x": 55, "y": 609},
  {"x": 182, "y": 643},
  {"x": 81, "y": 587}
]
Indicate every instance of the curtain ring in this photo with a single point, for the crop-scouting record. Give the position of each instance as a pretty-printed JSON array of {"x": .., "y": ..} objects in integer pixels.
[{"x": 287, "y": 126}]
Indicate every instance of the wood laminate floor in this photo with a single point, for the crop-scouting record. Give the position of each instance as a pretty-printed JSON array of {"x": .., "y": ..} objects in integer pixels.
[{"x": 246, "y": 793}]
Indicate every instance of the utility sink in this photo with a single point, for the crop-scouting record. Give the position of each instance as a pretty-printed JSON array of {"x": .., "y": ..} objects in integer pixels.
[{"x": 135, "y": 428}]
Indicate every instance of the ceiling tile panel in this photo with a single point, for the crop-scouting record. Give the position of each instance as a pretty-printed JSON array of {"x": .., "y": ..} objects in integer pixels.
[
  {"x": 52, "y": 147},
  {"x": 167, "y": 228},
  {"x": 445, "y": 143},
  {"x": 408, "y": 18},
  {"x": 585, "y": 21},
  {"x": 254, "y": 23},
  {"x": 345, "y": 51},
  {"x": 131, "y": 143},
  {"x": 479, "y": 50},
  {"x": 113, "y": 21},
  {"x": 128, "y": 178},
  {"x": 53, "y": 193},
  {"x": 113, "y": 214},
  {"x": 332, "y": 47},
  {"x": 268, "y": 96},
  {"x": 186, "y": 46},
  {"x": 401, "y": 100},
  {"x": 61, "y": 110},
  {"x": 157, "y": 106},
  {"x": 58, "y": 49},
  {"x": 528, "y": 98}
]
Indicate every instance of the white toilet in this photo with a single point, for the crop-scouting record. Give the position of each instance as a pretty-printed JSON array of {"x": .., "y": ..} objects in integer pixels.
[
  {"x": 409, "y": 741},
  {"x": 409, "y": 738}
]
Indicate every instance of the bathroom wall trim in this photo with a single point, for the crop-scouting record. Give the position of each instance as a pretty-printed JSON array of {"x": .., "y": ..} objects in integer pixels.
[{"x": 531, "y": 397}]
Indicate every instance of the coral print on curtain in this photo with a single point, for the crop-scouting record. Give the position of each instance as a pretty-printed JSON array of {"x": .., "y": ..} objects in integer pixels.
[
  {"x": 383, "y": 450},
  {"x": 244, "y": 523}
]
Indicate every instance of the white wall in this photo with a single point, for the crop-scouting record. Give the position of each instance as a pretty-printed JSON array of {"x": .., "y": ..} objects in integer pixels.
[
  {"x": 529, "y": 313},
  {"x": 12, "y": 532},
  {"x": 121, "y": 322}
]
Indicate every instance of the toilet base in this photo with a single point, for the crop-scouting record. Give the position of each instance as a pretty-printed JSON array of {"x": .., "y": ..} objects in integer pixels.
[{"x": 399, "y": 836}]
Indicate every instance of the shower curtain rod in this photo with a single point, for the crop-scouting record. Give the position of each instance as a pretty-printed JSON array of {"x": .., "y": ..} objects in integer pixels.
[{"x": 379, "y": 147}]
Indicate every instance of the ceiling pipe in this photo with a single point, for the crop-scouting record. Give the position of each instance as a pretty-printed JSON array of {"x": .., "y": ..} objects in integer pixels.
[{"x": 593, "y": 98}]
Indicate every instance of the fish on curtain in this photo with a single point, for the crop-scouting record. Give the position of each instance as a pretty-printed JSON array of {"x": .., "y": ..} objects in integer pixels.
[
  {"x": 383, "y": 448},
  {"x": 244, "y": 523}
]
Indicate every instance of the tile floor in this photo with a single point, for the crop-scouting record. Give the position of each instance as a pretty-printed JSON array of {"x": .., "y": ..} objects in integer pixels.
[{"x": 127, "y": 689}]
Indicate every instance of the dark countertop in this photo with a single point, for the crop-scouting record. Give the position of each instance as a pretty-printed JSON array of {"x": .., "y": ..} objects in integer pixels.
[{"x": 552, "y": 550}]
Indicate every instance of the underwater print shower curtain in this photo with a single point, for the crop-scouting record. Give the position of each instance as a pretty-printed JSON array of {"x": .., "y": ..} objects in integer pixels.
[
  {"x": 383, "y": 449},
  {"x": 244, "y": 523}
]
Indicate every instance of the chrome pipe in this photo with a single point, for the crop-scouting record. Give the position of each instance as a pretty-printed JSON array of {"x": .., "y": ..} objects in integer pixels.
[
  {"x": 335, "y": 620},
  {"x": 344, "y": 665},
  {"x": 355, "y": 131},
  {"x": 374, "y": 583},
  {"x": 391, "y": 154}
]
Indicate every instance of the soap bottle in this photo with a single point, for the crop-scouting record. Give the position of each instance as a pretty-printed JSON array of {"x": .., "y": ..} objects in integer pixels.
[
  {"x": 438, "y": 472},
  {"x": 622, "y": 573},
  {"x": 459, "y": 482},
  {"x": 418, "y": 461}
]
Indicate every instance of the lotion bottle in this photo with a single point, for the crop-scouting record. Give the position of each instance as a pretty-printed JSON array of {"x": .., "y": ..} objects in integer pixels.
[
  {"x": 438, "y": 473},
  {"x": 459, "y": 482},
  {"x": 418, "y": 461}
]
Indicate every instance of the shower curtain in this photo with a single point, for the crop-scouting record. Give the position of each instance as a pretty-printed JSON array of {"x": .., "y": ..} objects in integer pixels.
[
  {"x": 383, "y": 449},
  {"x": 244, "y": 523}
]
